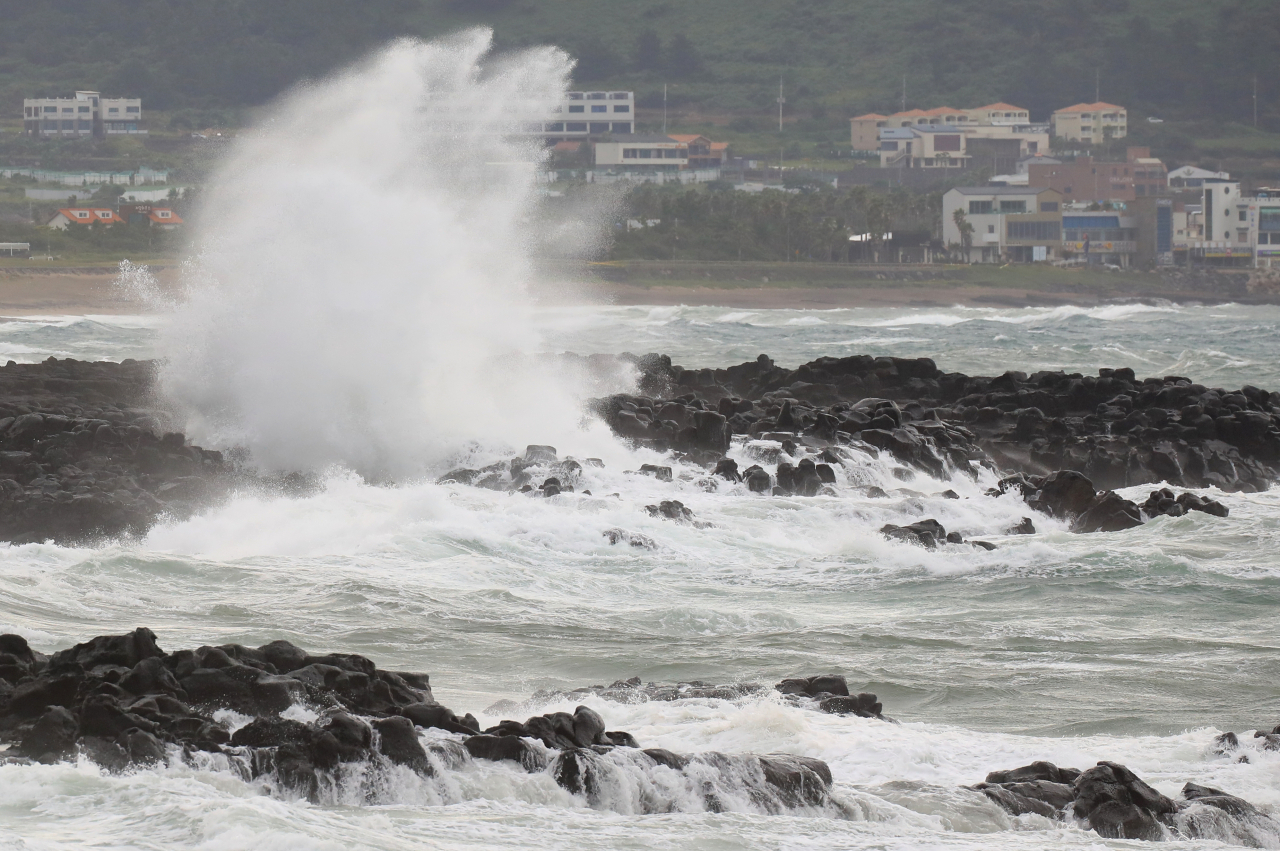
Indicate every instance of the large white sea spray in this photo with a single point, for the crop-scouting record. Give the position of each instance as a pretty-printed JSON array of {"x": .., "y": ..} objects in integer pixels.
[{"x": 360, "y": 294}]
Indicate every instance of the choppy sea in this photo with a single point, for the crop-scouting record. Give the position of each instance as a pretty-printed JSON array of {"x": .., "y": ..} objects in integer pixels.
[{"x": 1137, "y": 646}]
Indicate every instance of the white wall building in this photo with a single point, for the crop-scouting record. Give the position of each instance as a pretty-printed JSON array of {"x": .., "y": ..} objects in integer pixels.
[
  {"x": 86, "y": 114},
  {"x": 1237, "y": 226},
  {"x": 1023, "y": 223},
  {"x": 586, "y": 115},
  {"x": 641, "y": 152}
]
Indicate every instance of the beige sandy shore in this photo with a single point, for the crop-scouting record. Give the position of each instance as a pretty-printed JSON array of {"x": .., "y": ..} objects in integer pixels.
[
  {"x": 87, "y": 292},
  {"x": 70, "y": 293}
]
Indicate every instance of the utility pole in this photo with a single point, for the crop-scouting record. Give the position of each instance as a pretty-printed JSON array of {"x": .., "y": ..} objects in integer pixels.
[
  {"x": 1097, "y": 85},
  {"x": 664, "y": 109},
  {"x": 781, "y": 101},
  {"x": 1255, "y": 101}
]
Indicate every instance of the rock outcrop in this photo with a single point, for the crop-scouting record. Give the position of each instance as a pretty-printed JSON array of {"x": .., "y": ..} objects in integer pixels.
[
  {"x": 121, "y": 701},
  {"x": 1113, "y": 801}
]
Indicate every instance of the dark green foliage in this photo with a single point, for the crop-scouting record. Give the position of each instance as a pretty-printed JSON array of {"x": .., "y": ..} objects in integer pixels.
[
  {"x": 1174, "y": 58},
  {"x": 714, "y": 222}
]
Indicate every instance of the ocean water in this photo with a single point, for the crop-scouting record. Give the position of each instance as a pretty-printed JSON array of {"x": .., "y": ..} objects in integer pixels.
[{"x": 1137, "y": 646}]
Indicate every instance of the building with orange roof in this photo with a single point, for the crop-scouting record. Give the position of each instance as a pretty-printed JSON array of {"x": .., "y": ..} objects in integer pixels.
[
  {"x": 1090, "y": 123},
  {"x": 150, "y": 215},
  {"x": 998, "y": 119},
  {"x": 703, "y": 153},
  {"x": 68, "y": 216}
]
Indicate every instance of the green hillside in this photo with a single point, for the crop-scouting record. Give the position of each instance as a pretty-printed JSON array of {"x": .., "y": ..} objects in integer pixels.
[{"x": 1191, "y": 62}]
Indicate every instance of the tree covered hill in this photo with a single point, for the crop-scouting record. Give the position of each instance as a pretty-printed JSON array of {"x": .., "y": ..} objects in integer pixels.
[{"x": 1188, "y": 59}]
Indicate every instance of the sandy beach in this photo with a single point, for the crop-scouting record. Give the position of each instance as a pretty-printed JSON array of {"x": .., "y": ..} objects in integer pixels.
[{"x": 97, "y": 291}]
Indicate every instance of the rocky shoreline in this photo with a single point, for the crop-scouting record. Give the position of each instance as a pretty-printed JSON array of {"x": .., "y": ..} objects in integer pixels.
[
  {"x": 86, "y": 452},
  {"x": 299, "y": 723}
]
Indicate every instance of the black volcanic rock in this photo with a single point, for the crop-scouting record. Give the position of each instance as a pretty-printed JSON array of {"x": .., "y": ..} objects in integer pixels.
[
  {"x": 1113, "y": 801},
  {"x": 121, "y": 701}
]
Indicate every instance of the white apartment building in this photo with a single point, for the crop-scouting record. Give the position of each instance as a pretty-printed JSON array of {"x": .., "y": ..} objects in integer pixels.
[
  {"x": 1236, "y": 226},
  {"x": 586, "y": 115},
  {"x": 1089, "y": 123},
  {"x": 86, "y": 114}
]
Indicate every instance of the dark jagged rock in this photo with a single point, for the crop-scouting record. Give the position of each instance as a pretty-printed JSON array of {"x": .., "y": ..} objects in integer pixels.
[
  {"x": 1113, "y": 428},
  {"x": 1115, "y": 802},
  {"x": 1163, "y": 502},
  {"x": 85, "y": 455},
  {"x": 671, "y": 509}
]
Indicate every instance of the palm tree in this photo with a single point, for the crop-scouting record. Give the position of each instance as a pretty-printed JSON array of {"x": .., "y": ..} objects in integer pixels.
[{"x": 966, "y": 230}]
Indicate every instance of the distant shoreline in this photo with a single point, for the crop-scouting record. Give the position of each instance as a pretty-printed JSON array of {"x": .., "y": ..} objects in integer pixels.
[{"x": 87, "y": 290}]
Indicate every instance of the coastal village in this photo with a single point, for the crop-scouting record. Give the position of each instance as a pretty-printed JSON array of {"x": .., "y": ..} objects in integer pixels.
[{"x": 1063, "y": 189}]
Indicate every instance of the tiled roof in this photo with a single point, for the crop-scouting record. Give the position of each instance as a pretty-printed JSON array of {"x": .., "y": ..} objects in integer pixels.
[
  {"x": 1002, "y": 106},
  {"x": 89, "y": 215},
  {"x": 1088, "y": 107}
]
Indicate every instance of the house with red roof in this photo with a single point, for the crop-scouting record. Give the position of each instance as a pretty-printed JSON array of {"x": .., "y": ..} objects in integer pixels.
[
  {"x": 68, "y": 216},
  {"x": 150, "y": 215}
]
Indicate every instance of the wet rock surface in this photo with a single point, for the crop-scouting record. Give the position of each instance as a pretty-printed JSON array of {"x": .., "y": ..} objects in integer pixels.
[
  {"x": 122, "y": 702},
  {"x": 1113, "y": 801},
  {"x": 85, "y": 454}
]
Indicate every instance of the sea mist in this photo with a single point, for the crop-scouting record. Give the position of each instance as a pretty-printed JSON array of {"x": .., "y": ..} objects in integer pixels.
[{"x": 360, "y": 293}]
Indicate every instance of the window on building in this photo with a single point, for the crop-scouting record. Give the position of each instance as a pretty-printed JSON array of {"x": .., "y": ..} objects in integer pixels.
[
  {"x": 646, "y": 154},
  {"x": 555, "y": 127},
  {"x": 50, "y": 109},
  {"x": 1013, "y": 206},
  {"x": 888, "y": 146},
  {"x": 1048, "y": 206},
  {"x": 629, "y": 153},
  {"x": 622, "y": 107},
  {"x": 674, "y": 154},
  {"x": 601, "y": 108},
  {"x": 599, "y": 127},
  {"x": 68, "y": 125},
  {"x": 1269, "y": 219},
  {"x": 83, "y": 109},
  {"x": 113, "y": 110},
  {"x": 67, "y": 109},
  {"x": 1244, "y": 216},
  {"x": 946, "y": 142},
  {"x": 977, "y": 208},
  {"x": 597, "y": 96},
  {"x": 1045, "y": 231},
  {"x": 132, "y": 109},
  {"x": 1140, "y": 189},
  {"x": 85, "y": 124},
  {"x": 577, "y": 108},
  {"x": 991, "y": 228},
  {"x": 576, "y": 127},
  {"x": 618, "y": 95}
]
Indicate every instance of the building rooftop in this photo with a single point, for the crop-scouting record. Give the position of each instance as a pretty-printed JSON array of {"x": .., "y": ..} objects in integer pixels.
[
  {"x": 1088, "y": 107},
  {"x": 1000, "y": 190},
  {"x": 643, "y": 138},
  {"x": 869, "y": 115},
  {"x": 1003, "y": 106}
]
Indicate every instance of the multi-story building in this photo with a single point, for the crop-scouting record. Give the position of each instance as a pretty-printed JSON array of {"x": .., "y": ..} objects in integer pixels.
[
  {"x": 1009, "y": 222},
  {"x": 589, "y": 115},
  {"x": 86, "y": 114},
  {"x": 1090, "y": 123},
  {"x": 864, "y": 130},
  {"x": 1237, "y": 229},
  {"x": 1086, "y": 179},
  {"x": 642, "y": 152},
  {"x": 995, "y": 135}
]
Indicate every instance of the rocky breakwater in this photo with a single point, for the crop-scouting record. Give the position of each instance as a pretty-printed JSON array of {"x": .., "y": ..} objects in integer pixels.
[
  {"x": 85, "y": 455},
  {"x": 122, "y": 702},
  {"x": 1113, "y": 801},
  {"x": 1106, "y": 431}
]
